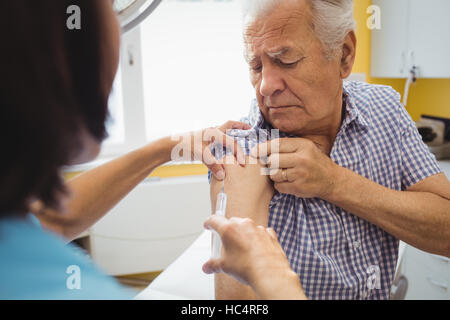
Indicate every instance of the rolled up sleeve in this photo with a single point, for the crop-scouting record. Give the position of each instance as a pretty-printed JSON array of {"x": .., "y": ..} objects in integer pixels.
[{"x": 418, "y": 163}]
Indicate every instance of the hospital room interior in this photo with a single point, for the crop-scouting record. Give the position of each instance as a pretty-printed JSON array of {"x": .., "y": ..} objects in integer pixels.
[{"x": 181, "y": 69}]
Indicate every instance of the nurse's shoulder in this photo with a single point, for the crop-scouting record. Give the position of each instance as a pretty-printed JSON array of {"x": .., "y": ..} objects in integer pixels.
[{"x": 36, "y": 264}]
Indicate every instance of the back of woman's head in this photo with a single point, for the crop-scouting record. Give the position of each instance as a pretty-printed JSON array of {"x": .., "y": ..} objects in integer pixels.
[{"x": 53, "y": 87}]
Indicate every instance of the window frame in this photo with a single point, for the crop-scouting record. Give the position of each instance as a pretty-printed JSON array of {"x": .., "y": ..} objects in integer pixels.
[{"x": 132, "y": 96}]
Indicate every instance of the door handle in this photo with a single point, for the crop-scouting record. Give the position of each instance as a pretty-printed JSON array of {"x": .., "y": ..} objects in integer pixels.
[{"x": 442, "y": 285}]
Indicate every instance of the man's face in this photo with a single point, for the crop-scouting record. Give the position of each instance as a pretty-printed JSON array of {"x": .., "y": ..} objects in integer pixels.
[{"x": 298, "y": 89}]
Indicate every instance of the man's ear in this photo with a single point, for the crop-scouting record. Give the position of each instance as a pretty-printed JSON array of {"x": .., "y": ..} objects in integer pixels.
[{"x": 348, "y": 54}]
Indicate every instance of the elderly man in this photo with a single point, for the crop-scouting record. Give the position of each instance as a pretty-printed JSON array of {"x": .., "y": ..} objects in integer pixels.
[{"x": 355, "y": 175}]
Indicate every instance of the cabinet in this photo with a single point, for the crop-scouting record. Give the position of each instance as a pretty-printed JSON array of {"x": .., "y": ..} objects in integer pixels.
[
  {"x": 152, "y": 226},
  {"x": 428, "y": 275},
  {"x": 413, "y": 33}
]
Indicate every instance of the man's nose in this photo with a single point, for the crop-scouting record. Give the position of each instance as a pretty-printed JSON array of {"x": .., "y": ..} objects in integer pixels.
[{"x": 271, "y": 82}]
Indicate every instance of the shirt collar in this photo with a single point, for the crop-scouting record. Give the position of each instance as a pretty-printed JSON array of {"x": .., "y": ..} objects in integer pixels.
[{"x": 352, "y": 112}]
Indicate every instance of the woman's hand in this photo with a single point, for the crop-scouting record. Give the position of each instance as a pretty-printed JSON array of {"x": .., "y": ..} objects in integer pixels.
[
  {"x": 253, "y": 256},
  {"x": 195, "y": 146}
]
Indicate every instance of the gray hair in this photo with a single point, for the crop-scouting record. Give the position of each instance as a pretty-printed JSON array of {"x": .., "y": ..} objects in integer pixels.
[{"x": 332, "y": 19}]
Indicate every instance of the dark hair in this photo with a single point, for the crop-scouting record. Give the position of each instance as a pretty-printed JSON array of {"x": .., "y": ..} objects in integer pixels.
[{"x": 52, "y": 87}]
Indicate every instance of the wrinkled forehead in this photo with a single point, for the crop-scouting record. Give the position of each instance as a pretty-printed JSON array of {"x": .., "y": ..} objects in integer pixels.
[{"x": 288, "y": 24}]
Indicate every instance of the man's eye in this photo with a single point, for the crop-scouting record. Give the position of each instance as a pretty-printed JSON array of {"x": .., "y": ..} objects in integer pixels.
[
  {"x": 288, "y": 65},
  {"x": 256, "y": 68}
]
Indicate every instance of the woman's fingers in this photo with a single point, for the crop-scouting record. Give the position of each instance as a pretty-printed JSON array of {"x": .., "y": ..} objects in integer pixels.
[
  {"x": 216, "y": 223},
  {"x": 201, "y": 151},
  {"x": 216, "y": 168},
  {"x": 212, "y": 266},
  {"x": 216, "y": 135},
  {"x": 232, "y": 144}
]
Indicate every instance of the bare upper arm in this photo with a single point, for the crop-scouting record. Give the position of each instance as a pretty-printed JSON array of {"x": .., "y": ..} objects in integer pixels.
[
  {"x": 437, "y": 184},
  {"x": 248, "y": 192}
]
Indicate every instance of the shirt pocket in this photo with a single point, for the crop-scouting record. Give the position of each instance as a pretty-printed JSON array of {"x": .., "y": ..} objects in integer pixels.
[{"x": 354, "y": 152}]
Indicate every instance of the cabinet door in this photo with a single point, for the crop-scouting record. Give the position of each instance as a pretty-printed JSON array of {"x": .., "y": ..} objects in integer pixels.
[
  {"x": 429, "y": 38},
  {"x": 390, "y": 43}
]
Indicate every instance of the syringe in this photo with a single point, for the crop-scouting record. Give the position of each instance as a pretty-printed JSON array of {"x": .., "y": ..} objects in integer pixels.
[{"x": 221, "y": 208}]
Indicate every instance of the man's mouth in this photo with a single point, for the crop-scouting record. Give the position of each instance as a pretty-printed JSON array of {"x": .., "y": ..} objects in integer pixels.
[{"x": 282, "y": 107}]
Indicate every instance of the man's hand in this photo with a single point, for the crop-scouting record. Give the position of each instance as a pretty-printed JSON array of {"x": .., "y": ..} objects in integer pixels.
[
  {"x": 298, "y": 167},
  {"x": 252, "y": 255}
]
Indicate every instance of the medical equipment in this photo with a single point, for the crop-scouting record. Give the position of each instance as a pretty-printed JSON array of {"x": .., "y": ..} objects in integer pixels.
[
  {"x": 221, "y": 208},
  {"x": 435, "y": 132},
  {"x": 132, "y": 12}
]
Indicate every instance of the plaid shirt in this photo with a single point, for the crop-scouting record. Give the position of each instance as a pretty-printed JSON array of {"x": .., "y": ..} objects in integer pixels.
[{"x": 336, "y": 254}]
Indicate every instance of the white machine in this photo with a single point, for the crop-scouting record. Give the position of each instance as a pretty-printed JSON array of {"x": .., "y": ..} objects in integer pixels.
[{"x": 132, "y": 12}]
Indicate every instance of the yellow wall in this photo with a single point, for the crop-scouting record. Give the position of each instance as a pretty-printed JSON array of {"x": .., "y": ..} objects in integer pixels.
[
  {"x": 427, "y": 96},
  {"x": 168, "y": 171}
]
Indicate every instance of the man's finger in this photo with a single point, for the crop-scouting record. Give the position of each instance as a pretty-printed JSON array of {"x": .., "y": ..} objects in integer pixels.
[
  {"x": 281, "y": 160},
  {"x": 281, "y": 175},
  {"x": 283, "y": 145}
]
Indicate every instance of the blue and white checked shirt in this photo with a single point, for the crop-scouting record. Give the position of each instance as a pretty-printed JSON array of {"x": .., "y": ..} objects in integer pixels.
[{"x": 333, "y": 251}]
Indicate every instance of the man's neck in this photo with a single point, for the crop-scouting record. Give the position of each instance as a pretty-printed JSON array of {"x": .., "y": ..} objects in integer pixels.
[{"x": 325, "y": 137}]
